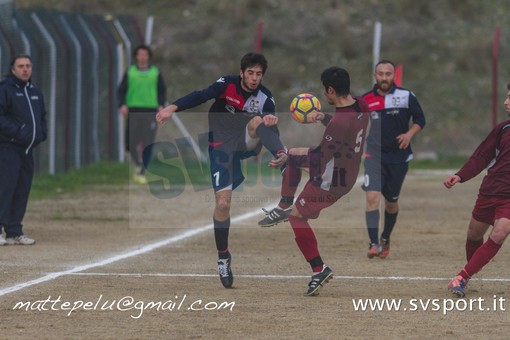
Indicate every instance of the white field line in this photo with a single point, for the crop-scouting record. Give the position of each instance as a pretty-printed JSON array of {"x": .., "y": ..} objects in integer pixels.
[
  {"x": 122, "y": 256},
  {"x": 284, "y": 277}
]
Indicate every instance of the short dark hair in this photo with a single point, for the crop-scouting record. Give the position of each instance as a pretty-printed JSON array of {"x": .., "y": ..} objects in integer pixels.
[
  {"x": 385, "y": 61},
  {"x": 19, "y": 56},
  {"x": 253, "y": 59},
  {"x": 508, "y": 86},
  {"x": 338, "y": 79},
  {"x": 142, "y": 47}
]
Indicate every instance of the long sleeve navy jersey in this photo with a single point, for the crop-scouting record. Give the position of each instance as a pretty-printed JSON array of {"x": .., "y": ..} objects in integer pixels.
[
  {"x": 227, "y": 115},
  {"x": 390, "y": 116},
  {"x": 493, "y": 152}
]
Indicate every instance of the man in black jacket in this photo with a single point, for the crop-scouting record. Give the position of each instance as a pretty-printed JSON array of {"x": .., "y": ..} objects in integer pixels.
[{"x": 22, "y": 127}]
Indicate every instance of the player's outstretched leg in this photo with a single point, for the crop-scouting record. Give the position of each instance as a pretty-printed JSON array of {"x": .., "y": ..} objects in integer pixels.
[{"x": 318, "y": 281}]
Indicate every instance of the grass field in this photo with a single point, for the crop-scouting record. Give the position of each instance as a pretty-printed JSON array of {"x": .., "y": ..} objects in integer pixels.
[
  {"x": 114, "y": 173},
  {"x": 104, "y": 173}
]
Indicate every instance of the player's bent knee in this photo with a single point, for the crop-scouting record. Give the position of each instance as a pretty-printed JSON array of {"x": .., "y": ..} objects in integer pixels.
[
  {"x": 392, "y": 207},
  {"x": 498, "y": 236},
  {"x": 298, "y": 151},
  {"x": 476, "y": 231},
  {"x": 474, "y": 236},
  {"x": 255, "y": 122},
  {"x": 373, "y": 200},
  {"x": 501, "y": 230},
  {"x": 223, "y": 206}
]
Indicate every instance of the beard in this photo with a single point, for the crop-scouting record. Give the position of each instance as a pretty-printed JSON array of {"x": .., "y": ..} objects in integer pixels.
[{"x": 384, "y": 86}]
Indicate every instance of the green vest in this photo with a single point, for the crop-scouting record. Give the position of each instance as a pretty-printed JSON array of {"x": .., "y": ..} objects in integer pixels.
[{"x": 142, "y": 87}]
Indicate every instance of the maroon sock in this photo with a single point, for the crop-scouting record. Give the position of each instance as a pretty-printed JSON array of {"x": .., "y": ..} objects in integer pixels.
[
  {"x": 291, "y": 178},
  {"x": 471, "y": 247},
  {"x": 305, "y": 238},
  {"x": 317, "y": 269},
  {"x": 480, "y": 258},
  {"x": 283, "y": 205}
]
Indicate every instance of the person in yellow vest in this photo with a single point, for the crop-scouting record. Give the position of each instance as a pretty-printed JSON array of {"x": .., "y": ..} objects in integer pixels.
[{"x": 141, "y": 94}]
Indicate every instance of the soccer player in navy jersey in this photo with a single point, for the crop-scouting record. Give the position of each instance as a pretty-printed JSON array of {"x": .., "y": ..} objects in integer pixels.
[
  {"x": 388, "y": 152},
  {"x": 492, "y": 206},
  {"x": 333, "y": 168},
  {"x": 241, "y": 120}
]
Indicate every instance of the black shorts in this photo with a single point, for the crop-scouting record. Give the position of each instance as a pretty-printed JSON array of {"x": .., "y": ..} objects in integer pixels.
[
  {"x": 226, "y": 160},
  {"x": 386, "y": 178},
  {"x": 140, "y": 128}
]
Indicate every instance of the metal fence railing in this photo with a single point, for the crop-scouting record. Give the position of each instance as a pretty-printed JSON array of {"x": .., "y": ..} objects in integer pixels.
[{"x": 78, "y": 62}]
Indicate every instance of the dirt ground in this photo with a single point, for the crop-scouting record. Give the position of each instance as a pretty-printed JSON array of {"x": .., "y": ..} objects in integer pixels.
[{"x": 94, "y": 252}]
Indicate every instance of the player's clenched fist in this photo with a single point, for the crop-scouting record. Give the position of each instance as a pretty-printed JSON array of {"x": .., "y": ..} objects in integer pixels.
[{"x": 450, "y": 181}]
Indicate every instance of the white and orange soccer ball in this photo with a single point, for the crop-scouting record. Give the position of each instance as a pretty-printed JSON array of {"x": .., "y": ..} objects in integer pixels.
[{"x": 302, "y": 105}]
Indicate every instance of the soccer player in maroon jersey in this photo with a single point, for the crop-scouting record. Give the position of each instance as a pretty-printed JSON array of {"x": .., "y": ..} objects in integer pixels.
[
  {"x": 333, "y": 167},
  {"x": 492, "y": 206},
  {"x": 242, "y": 119}
]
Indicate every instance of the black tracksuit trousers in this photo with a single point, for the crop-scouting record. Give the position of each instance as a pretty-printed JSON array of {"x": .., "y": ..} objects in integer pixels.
[{"x": 16, "y": 173}]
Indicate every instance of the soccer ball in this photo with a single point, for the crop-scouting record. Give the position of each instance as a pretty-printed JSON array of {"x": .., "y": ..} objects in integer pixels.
[{"x": 302, "y": 105}]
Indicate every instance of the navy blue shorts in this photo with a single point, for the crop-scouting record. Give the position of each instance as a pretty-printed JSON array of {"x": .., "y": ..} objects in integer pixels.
[
  {"x": 386, "y": 178},
  {"x": 226, "y": 171}
]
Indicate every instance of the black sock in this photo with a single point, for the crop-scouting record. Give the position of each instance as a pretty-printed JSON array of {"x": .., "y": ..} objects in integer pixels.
[
  {"x": 287, "y": 201},
  {"x": 221, "y": 229},
  {"x": 270, "y": 139},
  {"x": 372, "y": 219},
  {"x": 316, "y": 262},
  {"x": 389, "y": 223}
]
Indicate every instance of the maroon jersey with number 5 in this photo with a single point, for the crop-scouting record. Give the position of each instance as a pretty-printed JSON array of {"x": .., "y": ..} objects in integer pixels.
[{"x": 335, "y": 163}]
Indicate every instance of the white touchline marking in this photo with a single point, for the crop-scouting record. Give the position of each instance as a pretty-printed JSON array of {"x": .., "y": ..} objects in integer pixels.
[
  {"x": 109, "y": 260},
  {"x": 283, "y": 277}
]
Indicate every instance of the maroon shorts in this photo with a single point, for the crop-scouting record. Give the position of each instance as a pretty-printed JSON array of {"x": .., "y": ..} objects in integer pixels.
[
  {"x": 488, "y": 209},
  {"x": 313, "y": 199}
]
